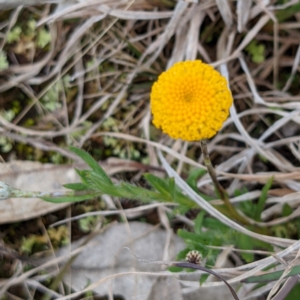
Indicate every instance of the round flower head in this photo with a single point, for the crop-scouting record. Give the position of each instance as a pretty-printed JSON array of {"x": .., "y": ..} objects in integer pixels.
[
  {"x": 190, "y": 101},
  {"x": 194, "y": 257}
]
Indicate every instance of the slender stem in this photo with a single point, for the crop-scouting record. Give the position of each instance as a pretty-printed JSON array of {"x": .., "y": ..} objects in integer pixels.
[
  {"x": 221, "y": 191},
  {"x": 7, "y": 191}
]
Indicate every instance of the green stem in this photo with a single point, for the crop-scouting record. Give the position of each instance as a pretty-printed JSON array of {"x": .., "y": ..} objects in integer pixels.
[
  {"x": 221, "y": 191},
  {"x": 6, "y": 191}
]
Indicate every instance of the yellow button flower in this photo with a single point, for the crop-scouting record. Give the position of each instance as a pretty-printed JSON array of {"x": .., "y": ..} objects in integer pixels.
[{"x": 190, "y": 101}]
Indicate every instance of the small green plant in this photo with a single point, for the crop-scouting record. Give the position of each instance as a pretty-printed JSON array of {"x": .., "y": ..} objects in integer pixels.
[
  {"x": 58, "y": 236},
  {"x": 115, "y": 146},
  {"x": 14, "y": 34},
  {"x": 3, "y": 61},
  {"x": 51, "y": 99},
  {"x": 96, "y": 182},
  {"x": 257, "y": 52},
  {"x": 29, "y": 33}
]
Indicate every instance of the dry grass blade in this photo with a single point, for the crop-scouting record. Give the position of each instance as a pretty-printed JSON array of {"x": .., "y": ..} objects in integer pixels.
[
  {"x": 225, "y": 11},
  {"x": 251, "y": 34},
  {"x": 193, "y": 33},
  {"x": 243, "y": 9},
  {"x": 288, "y": 285},
  {"x": 161, "y": 41}
]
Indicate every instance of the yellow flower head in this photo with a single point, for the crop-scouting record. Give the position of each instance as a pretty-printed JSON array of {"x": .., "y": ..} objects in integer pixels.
[{"x": 190, "y": 101}]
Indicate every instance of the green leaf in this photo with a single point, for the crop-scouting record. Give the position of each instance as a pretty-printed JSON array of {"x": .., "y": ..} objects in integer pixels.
[
  {"x": 203, "y": 278},
  {"x": 180, "y": 210},
  {"x": 245, "y": 243},
  {"x": 85, "y": 177},
  {"x": 86, "y": 224},
  {"x": 215, "y": 224},
  {"x": 31, "y": 25},
  {"x": 134, "y": 50},
  {"x": 79, "y": 186},
  {"x": 243, "y": 190},
  {"x": 193, "y": 178},
  {"x": 174, "y": 269},
  {"x": 192, "y": 182},
  {"x": 72, "y": 198},
  {"x": 92, "y": 180},
  {"x": 182, "y": 254},
  {"x": 92, "y": 163},
  {"x": 257, "y": 51},
  {"x": 14, "y": 35},
  {"x": 135, "y": 192},
  {"x": 286, "y": 210},
  {"x": 169, "y": 192},
  {"x": 247, "y": 207},
  {"x": 43, "y": 38},
  {"x": 199, "y": 222},
  {"x": 123, "y": 190},
  {"x": 282, "y": 15},
  {"x": 262, "y": 200},
  {"x": 161, "y": 185},
  {"x": 96, "y": 181},
  {"x": 272, "y": 276},
  {"x": 172, "y": 189},
  {"x": 184, "y": 201},
  {"x": 3, "y": 61},
  {"x": 204, "y": 238}
]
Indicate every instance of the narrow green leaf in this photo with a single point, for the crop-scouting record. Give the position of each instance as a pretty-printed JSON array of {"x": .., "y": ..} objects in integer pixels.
[
  {"x": 72, "y": 199},
  {"x": 91, "y": 162},
  {"x": 180, "y": 210},
  {"x": 79, "y": 186},
  {"x": 124, "y": 190},
  {"x": 286, "y": 210},
  {"x": 133, "y": 49},
  {"x": 282, "y": 15},
  {"x": 184, "y": 200},
  {"x": 193, "y": 178},
  {"x": 160, "y": 184},
  {"x": 247, "y": 207},
  {"x": 214, "y": 224},
  {"x": 203, "y": 277},
  {"x": 245, "y": 243},
  {"x": 86, "y": 178},
  {"x": 262, "y": 199},
  {"x": 98, "y": 182},
  {"x": 192, "y": 182},
  {"x": 181, "y": 255},
  {"x": 175, "y": 269},
  {"x": 169, "y": 191},
  {"x": 172, "y": 189},
  {"x": 199, "y": 221},
  {"x": 142, "y": 194},
  {"x": 196, "y": 239}
]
